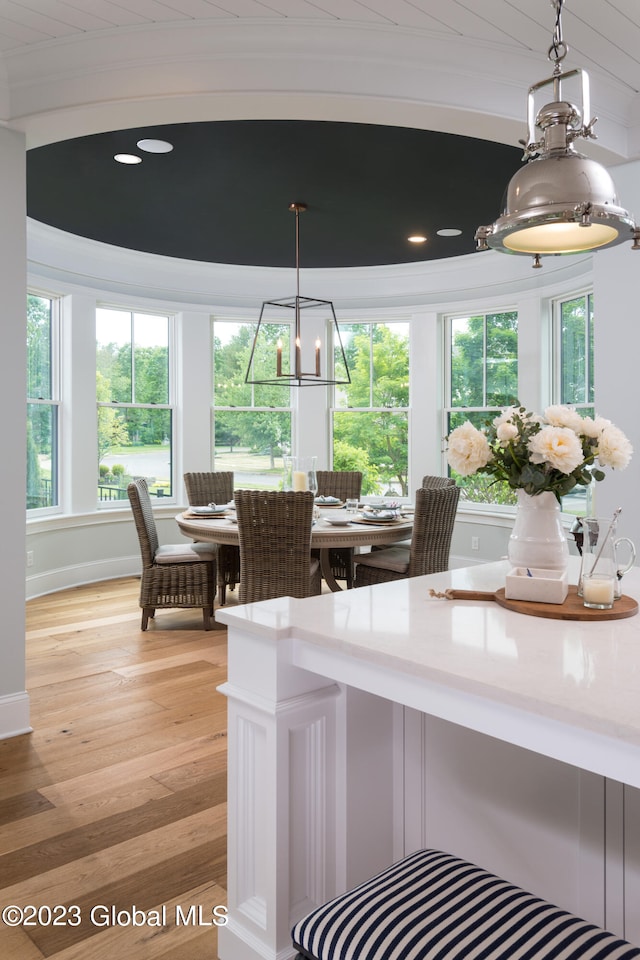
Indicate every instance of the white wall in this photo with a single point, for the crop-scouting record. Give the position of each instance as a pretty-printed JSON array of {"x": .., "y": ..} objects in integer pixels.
[
  {"x": 617, "y": 304},
  {"x": 14, "y": 711}
]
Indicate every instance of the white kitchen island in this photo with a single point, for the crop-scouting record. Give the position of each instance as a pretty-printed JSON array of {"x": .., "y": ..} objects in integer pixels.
[{"x": 366, "y": 724}]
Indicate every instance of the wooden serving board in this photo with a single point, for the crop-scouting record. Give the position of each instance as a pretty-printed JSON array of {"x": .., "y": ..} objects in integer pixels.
[{"x": 572, "y": 608}]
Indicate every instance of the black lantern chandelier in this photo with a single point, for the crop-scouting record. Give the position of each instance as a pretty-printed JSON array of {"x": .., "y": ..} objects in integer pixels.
[
  {"x": 561, "y": 201},
  {"x": 290, "y": 369}
]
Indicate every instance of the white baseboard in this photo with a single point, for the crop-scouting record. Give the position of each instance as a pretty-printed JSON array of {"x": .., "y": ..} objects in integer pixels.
[
  {"x": 75, "y": 576},
  {"x": 14, "y": 715},
  {"x": 455, "y": 562}
]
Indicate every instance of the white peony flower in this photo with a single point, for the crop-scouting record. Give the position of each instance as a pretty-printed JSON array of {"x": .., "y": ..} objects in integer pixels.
[
  {"x": 468, "y": 449},
  {"x": 506, "y": 432},
  {"x": 614, "y": 449},
  {"x": 506, "y": 415},
  {"x": 559, "y": 416},
  {"x": 557, "y": 446},
  {"x": 590, "y": 428}
]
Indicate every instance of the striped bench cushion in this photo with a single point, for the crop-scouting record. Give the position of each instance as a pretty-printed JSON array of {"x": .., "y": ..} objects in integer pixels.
[{"x": 434, "y": 906}]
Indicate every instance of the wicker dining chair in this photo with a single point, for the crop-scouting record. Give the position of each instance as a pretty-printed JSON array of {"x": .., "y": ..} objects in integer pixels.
[
  {"x": 274, "y": 529},
  {"x": 345, "y": 485},
  {"x": 431, "y": 482},
  {"x": 428, "y": 551},
  {"x": 216, "y": 486},
  {"x": 173, "y": 575}
]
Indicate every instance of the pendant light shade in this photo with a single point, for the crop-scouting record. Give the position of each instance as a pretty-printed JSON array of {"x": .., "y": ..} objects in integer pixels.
[
  {"x": 560, "y": 202},
  {"x": 288, "y": 367}
]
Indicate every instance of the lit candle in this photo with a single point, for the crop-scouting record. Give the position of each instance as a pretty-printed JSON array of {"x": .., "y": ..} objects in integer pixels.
[
  {"x": 318, "y": 357},
  {"x": 598, "y": 590},
  {"x": 279, "y": 358},
  {"x": 299, "y": 480}
]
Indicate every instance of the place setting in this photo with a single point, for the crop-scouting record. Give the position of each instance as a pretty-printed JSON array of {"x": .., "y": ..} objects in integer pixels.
[
  {"x": 379, "y": 513},
  {"x": 211, "y": 511}
]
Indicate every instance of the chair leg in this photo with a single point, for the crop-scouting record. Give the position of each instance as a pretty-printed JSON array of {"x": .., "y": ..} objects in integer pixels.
[
  {"x": 147, "y": 612},
  {"x": 207, "y": 613},
  {"x": 222, "y": 587}
]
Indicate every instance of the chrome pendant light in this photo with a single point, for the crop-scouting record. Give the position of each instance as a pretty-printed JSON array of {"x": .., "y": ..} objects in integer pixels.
[
  {"x": 560, "y": 201},
  {"x": 295, "y": 376}
]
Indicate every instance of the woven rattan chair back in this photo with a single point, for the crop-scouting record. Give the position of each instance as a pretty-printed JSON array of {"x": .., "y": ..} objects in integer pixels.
[
  {"x": 216, "y": 486},
  {"x": 186, "y": 583},
  {"x": 430, "y": 482},
  {"x": 433, "y": 529},
  {"x": 145, "y": 523},
  {"x": 430, "y": 541},
  {"x": 274, "y": 529},
  {"x": 343, "y": 484}
]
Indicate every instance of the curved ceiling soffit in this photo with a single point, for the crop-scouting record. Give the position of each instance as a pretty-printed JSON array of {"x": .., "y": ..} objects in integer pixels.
[{"x": 58, "y": 258}]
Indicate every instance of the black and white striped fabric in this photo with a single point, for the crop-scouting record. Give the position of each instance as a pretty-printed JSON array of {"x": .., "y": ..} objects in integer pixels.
[{"x": 434, "y": 906}]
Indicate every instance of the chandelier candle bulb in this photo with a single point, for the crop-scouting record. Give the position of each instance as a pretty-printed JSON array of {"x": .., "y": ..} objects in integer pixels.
[
  {"x": 279, "y": 358},
  {"x": 318, "y": 357}
]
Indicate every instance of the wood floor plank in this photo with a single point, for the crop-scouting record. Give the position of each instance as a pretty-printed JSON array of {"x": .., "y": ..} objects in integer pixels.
[
  {"x": 174, "y": 942},
  {"x": 146, "y": 890},
  {"x": 23, "y": 805},
  {"x": 85, "y": 875},
  {"x": 118, "y": 796},
  {"x": 17, "y": 945},
  {"x": 57, "y": 820},
  {"x": 84, "y": 784},
  {"x": 117, "y": 828}
]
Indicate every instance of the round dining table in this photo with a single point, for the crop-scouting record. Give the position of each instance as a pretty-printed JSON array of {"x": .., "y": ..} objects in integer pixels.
[{"x": 359, "y": 532}]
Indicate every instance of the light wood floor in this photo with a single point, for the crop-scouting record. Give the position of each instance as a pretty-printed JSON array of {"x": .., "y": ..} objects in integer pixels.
[{"x": 118, "y": 797}]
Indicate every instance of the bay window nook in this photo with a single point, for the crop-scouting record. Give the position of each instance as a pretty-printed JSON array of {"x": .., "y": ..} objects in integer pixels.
[{"x": 166, "y": 380}]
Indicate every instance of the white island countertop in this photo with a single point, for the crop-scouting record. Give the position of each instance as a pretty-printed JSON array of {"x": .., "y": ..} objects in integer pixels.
[{"x": 566, "y": 689}]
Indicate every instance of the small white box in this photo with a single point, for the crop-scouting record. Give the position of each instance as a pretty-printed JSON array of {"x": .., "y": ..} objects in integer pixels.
[{"x": 540, "y": 586}]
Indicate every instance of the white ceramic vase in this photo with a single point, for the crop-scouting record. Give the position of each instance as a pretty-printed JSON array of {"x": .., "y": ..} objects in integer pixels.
[{"x": 538, "y": 539}]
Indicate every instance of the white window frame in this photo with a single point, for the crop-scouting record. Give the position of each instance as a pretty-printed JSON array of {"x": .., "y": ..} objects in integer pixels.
[
  {"x": 252, "y": 323},
  {"x": 171, "y": 405},
  {"x": 54, "y": 402},
  {"x": 447, "y": 409},
  {"x": 556, "y": 313},
  {"x": 557, "y": 350},
  {"x": 407, "y": 410}
]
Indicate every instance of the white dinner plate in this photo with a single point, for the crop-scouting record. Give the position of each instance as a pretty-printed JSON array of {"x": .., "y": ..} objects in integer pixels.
[
  {"x": 368, "y": 518},
  {"x": 207, "y": 512},
  {"x": 338, "y": 521}
]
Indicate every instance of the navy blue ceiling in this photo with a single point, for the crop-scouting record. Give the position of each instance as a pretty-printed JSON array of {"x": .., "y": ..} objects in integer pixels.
[{"x": 222, "y": 194}]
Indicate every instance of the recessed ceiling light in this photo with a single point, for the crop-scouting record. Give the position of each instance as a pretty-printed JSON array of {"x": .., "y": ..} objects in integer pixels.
[
  {"x": 155, "y": 146},
  {"x": 417, "y": 238},
  {"x": 449, "y": 232},
  {"x": 127, "y": 158}
]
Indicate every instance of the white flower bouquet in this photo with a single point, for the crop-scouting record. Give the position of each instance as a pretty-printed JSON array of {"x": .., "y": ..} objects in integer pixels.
[{"x": 555, "y": 452}]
